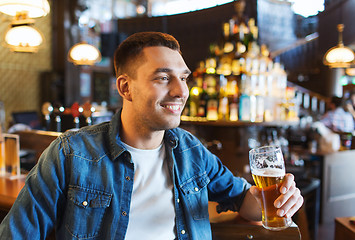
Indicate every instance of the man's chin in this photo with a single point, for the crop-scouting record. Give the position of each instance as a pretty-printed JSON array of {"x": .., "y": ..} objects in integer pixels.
[{"x": 171, "y": 124}]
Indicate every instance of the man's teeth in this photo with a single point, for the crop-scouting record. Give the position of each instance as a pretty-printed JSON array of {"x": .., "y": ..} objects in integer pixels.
[{"x": 173, "y": 107}]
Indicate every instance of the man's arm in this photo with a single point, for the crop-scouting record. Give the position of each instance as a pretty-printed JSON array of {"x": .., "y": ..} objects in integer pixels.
[
  {"x": 287, "y": 203},
  {"x": 36, "y": 207},
  {"x": 349, "y": 107}
]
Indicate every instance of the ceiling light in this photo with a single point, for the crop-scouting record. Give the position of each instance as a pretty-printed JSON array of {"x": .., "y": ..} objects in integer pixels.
[
  {"x": 84, "y": 54},
  {"x": 339, "y": 56},
  {"x": 350, "y": 72},
  {"x": 33, "y": 8},
  {"x": 22, "y": 37}
]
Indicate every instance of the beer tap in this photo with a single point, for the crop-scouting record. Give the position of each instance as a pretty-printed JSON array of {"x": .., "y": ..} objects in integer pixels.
[
  {"x": 87, "y": 111},
  {"x": 75, "y": 111},
  {"x": 58, "y": 118},
  {"x": 47, "y": 109}
]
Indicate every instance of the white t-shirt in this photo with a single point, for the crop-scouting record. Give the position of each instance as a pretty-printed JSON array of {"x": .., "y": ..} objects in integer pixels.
[{"x": 152, "y": 211}]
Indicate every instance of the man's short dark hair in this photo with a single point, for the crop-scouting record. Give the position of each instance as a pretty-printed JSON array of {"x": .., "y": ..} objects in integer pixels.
[
  {"x": 337, "y": 101},
  {"x": 127, "y": 53}
]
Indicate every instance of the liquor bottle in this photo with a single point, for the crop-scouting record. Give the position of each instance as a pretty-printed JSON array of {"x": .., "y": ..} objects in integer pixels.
[
  {"x": 236, "y": 68},
  {"x": 244, "y": 107},
  {"x": 252, "y": 100},
  {"x": 195, "y": 92},
  {"x": 212, "y": 103},
  {"x": 232, "y": 94},
  {"x": 259, "y": 110},
  {"x": 203, "y": 99},
  {"x": 264, "y": 60},
  {"x": 211, "y": 62},
  {"x": 224, "y": 65},
  {"x": 228, "y": 43},
  {"x": 223, "y": 106},
  {"x": 233, "y": 109}
]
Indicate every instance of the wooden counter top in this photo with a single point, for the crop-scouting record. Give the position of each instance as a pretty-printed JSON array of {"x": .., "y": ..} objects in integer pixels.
[
  {"x": 230, "y": 231},
  {"x": 344, "y": 229},
  {"x": 9, "y": 189},
  {"x": 231, "y": 226}
]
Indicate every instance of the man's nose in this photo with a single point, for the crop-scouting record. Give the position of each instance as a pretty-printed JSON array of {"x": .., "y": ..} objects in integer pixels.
[{"x": 179, "y": 89}]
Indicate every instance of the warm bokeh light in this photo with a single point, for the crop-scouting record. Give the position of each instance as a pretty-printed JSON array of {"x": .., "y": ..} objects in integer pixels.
[
  {"x": 23, "y": 39},
  {"x": 307, "y": 8},
  {"x": 84, "y": 54},
  {"x": 34, "y": 8}
]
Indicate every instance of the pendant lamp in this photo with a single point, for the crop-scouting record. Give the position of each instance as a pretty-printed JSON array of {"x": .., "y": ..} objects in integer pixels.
[
  {"x": 84, "y": 54},
  {"x": 33, "y": 8},
  {"x": 22, "y": 36},
  {"x": 339, "y": 56}
]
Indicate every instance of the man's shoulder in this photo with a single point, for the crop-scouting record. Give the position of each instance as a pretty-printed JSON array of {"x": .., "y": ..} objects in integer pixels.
[
  {"x": 88, "y": 131},
  {"x": 183, "y": 134},
  {"x": 184, "y": 139}
]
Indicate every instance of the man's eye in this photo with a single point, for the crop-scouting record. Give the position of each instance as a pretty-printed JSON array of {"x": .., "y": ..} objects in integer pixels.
[{"x": 163, "y": 78}]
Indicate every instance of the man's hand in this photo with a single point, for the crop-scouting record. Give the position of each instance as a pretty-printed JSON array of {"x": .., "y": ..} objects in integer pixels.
[{"x": 290, "y": 199}]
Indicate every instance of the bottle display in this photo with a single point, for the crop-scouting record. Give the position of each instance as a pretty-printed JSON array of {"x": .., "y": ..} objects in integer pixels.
[{"x": 239, "y": 81}]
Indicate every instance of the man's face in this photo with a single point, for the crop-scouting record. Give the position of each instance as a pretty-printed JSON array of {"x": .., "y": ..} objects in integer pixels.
[
  {"x": 353, "y": 99},
  {"x": 159, "y": 91}
]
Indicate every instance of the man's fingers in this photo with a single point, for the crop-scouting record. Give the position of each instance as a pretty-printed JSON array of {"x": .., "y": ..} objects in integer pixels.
[
  {"x": 295, "y": 207},
  {"x": 291, "y": 203},
  {"x": 281, "y": 200},
  {"x": 287, "y": 183},
  {"x": 290, "y": 199}
]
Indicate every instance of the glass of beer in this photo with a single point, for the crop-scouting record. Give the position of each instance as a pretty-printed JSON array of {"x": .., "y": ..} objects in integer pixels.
[{"x": 268, "y": 170}]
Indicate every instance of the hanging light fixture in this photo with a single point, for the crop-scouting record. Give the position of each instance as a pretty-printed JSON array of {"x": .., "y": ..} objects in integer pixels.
[
  {"x": 84, "y": 54},
  {"x": 22, "y": 37},
  {"x": 339, "y": 56},
  {"x": 33, "y": 8},
  {"x": 350, "y": 71}
]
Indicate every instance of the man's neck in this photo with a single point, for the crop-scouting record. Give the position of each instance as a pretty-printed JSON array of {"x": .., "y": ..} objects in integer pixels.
[{"x": 139, "y": 137}]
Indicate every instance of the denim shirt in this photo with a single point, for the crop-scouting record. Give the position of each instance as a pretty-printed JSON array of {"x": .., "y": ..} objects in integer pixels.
[{"x": 82, "y": 185}]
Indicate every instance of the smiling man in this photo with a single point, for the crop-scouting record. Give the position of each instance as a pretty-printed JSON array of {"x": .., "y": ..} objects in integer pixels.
[
  {"x": 138, "y": 176},
  {"x": 154, "y": 95}
]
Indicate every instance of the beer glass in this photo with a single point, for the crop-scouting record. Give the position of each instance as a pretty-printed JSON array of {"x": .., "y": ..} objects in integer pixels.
[{"x": 268, "y": 170}]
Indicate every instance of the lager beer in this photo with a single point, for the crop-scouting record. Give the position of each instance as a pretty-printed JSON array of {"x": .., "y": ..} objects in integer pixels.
[
  {"x": 268, "y": 171},
  {"x": 269, "y": 182}
]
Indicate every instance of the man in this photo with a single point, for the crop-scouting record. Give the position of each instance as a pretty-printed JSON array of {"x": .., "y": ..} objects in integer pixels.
[
  {"x": 337, "y": 119},
  {"x": 139, "y": 176},
  {"x": 350, "y": 104}
]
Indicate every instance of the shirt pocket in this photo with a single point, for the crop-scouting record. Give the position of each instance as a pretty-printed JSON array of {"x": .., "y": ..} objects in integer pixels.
[
  {"x": 196, "y": 195},
  {"x": 85, "y": 211}
]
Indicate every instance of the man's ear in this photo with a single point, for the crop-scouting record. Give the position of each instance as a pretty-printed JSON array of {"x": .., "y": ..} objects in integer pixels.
[{"x": 123, "y": 88}]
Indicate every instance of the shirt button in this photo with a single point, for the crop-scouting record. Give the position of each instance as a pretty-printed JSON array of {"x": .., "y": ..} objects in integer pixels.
[
  {"x": 128, "y": 178},
  {"x": 183, "y": 231},
  {"x": 85, "y": 203},
  {"x": 178, "y": 200},
  {"x": 124, "y": 213},
  {"x": 196, "y": 189}
]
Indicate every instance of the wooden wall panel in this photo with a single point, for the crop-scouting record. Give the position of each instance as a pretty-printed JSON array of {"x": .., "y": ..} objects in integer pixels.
[{"x": 194, "y": 30}]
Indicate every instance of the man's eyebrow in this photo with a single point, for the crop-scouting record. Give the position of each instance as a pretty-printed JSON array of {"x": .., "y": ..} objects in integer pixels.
[
  {"x": 167, "y": 70},
  {"x": 159, "y": 70}
]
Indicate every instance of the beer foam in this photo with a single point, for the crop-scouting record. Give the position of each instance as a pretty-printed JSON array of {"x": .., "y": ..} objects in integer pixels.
[{"x": 269, "y": 172}]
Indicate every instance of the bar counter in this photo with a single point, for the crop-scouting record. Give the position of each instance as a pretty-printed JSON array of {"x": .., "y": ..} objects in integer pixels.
[
  {"x": 225, "y": 226},
  {"x": 9, "y": 189}
]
